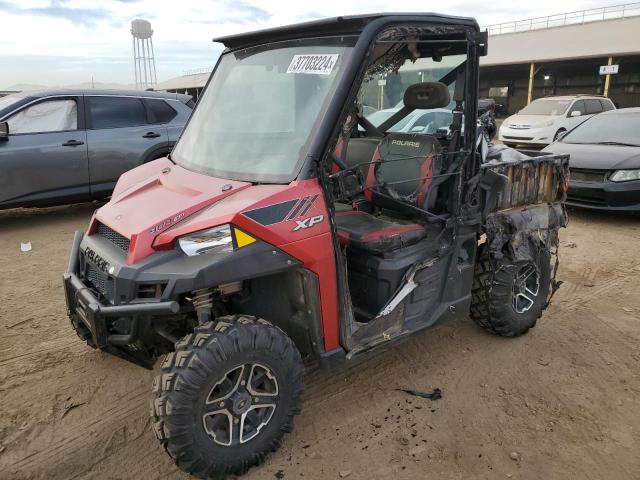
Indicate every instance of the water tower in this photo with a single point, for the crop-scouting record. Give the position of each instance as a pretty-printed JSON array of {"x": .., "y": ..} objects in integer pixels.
[{"x": 143, "y": 58}]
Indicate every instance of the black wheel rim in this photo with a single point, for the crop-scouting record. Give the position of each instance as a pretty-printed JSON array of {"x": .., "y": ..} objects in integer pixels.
[
  {"x": 526, "y": 287},
  {"x": 240, "y": 404}
]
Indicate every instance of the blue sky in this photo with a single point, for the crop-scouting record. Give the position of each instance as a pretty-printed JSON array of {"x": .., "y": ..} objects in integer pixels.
[{"x": 62, "y": 42}]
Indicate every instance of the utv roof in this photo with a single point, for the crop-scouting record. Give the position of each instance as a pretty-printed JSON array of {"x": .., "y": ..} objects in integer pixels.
[{"x": 349, "y": 25}]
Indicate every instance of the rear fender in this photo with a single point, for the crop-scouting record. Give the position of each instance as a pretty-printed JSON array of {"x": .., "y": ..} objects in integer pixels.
[{"x": 522, "y": 232}]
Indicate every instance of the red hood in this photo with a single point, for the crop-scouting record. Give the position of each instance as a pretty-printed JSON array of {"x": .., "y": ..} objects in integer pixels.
[
  {"x": 156, "y": 203},
  {"x": 149, "y": 199}
]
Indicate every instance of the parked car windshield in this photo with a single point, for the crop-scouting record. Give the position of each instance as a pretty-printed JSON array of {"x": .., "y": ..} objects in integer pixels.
[
  {"x": 546, "y": 107},
  {"x": 611, "y": 128},
  {"x": 256, "y": 117}
]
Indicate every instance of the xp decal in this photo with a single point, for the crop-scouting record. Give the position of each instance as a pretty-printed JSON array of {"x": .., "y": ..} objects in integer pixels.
[{"x": 308, "y": 222}]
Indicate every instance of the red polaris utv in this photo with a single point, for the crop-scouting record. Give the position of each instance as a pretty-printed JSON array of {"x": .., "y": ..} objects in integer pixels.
[{"x": 287, "y": 225}]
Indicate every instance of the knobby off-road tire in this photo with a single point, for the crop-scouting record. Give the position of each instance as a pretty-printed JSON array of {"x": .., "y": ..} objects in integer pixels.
[
  {"x": 496, "y": 285},
  {"x": 239, "y": 365}
]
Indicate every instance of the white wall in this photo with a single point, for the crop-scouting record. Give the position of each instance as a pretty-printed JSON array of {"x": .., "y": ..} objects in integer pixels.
[{"x": 594, "y": 39}]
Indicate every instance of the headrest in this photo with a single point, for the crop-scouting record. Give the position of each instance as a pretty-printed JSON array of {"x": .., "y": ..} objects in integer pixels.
[{"x": 427, "y": 95}]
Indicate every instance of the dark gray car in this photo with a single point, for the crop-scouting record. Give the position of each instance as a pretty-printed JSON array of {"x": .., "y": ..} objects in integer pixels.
[
  {"x": 605, "y": 161},
  {"x": 72, "y": 145}
]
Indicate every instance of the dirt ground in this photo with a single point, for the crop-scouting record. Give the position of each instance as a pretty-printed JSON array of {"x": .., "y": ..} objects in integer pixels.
[{"x": 563, "y": 401}]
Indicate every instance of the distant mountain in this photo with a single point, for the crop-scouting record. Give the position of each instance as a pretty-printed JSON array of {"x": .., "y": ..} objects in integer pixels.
[{"x": 26, "y": 87}]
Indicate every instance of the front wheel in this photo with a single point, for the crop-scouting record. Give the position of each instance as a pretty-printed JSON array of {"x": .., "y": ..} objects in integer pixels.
[
  {"x": 227, "y": 395},
  {"x": 558, "y": 133},
  {"x": 509, "y": 296}
]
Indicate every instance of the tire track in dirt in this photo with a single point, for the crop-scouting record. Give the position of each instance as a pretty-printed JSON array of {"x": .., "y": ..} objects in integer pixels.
[{"x": 89, "y": 431}]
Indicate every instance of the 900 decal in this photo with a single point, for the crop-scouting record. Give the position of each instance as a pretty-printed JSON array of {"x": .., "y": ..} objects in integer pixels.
[{"x": 169, "y": 221}]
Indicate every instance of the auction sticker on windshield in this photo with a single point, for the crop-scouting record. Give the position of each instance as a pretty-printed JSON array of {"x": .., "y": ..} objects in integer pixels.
[{"x": 314, "y": 64}]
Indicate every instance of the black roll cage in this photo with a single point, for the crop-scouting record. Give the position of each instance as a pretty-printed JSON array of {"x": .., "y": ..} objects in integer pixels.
[
  {"x": 353, "y": 74},
  {"x": 366, "y": 28}
]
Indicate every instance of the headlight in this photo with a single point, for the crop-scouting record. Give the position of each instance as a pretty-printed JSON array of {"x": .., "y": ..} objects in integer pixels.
[
  {"x": 217, "y": 239},
  {"x": 625, "y": 175},
  {"x": 546, "y": 124}
]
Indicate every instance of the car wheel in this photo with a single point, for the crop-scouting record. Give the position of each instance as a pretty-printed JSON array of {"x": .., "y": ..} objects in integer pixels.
[
  {"x": 227, "y": 395},
  {"x": 558, "y": 133}
]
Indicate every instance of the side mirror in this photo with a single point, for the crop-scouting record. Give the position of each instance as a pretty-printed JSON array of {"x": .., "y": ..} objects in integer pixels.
[
  {"x": 576, "y": 113},
  {"x": 4, "y": 131},
  {"x": 561, "y": 135}
]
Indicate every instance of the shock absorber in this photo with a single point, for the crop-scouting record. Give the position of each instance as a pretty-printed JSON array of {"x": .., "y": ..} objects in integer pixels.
[{"x": 202, "y": 301}]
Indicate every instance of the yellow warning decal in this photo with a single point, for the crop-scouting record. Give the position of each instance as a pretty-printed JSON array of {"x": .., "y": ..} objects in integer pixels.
[{"x": 243, "y": 239}]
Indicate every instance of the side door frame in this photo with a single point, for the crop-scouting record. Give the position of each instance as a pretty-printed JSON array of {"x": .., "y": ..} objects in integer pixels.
[
  {"x": 148, "y": 154},
  {"x": 457, "y": 308}
]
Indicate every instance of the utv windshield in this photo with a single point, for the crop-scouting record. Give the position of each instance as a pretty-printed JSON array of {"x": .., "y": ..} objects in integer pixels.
[{"x": 260, "y": 109}]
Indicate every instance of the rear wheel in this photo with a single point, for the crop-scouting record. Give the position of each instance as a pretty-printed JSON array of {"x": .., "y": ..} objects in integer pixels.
[
  {"x": 227, "y": 395},
  {"x": 509, "y": 296}
]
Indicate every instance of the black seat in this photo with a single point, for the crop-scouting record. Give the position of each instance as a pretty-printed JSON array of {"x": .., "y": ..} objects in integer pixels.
[
  {"x": 373, "y": 234},
  {"x": 359, "y": 151},
  {"x": 403, "y": 171}
]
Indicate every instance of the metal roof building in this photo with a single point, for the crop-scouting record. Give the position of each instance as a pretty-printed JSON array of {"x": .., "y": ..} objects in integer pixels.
[
  {"x": 562, "y": 55},
  {"x": 555, "y": 55}
]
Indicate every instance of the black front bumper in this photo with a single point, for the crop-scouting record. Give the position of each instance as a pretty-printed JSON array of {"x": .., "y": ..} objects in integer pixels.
[
  {"x": 83, "y": 305},
  {"x": 100, "y": 287},
  {"x": 609, "y": 196}
]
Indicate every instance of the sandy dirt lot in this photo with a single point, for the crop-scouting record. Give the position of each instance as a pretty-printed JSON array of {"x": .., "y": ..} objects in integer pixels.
[{"x": 563, "y": 401}]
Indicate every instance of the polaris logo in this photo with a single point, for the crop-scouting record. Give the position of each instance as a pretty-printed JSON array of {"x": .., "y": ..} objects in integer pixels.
[
  {"x": 308, "y": 222},
  {"x": 405, "y": 143},
  {"x": 97, "y": 260}
]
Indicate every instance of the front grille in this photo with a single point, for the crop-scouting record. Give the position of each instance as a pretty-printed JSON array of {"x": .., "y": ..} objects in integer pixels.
[
  {"x": 586, "y": 175},
  {"x": 516, "y": 138},
  {"x": 596, "y": 202},
  {"x": 99, "y": 280},
  {"x": 113, "y": 236}
]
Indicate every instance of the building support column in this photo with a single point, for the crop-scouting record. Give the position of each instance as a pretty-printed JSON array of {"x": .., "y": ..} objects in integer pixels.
[
  {"x": 531, "y": 75},
  {"x": 607, "y": 79}
]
